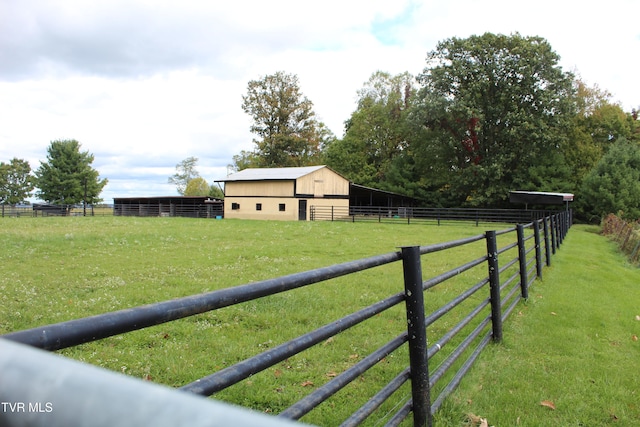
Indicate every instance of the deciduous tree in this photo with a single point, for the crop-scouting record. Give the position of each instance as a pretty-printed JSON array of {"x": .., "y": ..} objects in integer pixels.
[
  {"x": 377, "y": 132},
  {"x": 16, "y": 181},
  {"x": 597, "y": 124},
  {"x": 197, "y": 187},
  {"x": 284, "y": 121},
  {"x": 185, "y": 172},
  {"x": 497, "y": 107}
]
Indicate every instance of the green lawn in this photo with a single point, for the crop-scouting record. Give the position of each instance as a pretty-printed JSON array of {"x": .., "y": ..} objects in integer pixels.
[
  {"x": 57, "y": 269},
  {"x": 573, "y": 347}
]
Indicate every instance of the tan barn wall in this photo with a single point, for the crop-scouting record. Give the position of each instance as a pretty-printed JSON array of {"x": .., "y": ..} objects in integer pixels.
[
  {"x": 259, "y": 188},
  {"x": 270, "y": 208},
  {"x": 271, "y": 205},
  {"x": 323, "y": 182}
]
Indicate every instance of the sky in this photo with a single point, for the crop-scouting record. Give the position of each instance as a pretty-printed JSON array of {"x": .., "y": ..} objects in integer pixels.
[{"x": 144, "y": 84}]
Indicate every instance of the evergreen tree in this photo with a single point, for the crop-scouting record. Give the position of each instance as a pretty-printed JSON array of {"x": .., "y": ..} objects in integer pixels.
[
  {"x": 613, "y": 185},
  {"x": 67, "y": 178}
]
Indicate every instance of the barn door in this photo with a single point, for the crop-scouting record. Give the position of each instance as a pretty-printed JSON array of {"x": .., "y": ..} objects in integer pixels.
[{"x": 302, "y": 210}]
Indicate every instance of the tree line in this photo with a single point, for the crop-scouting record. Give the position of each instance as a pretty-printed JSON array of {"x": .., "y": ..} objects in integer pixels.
[
  {"x": 65, "y": 178},
  {"x": 487, "y": 115}
]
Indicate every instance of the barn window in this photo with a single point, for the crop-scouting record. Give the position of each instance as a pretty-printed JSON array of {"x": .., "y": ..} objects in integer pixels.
[
  {"x": 235, "y": 206},
  {"x": 281, "y": 207},
  {"x": 258, "y": 206}
]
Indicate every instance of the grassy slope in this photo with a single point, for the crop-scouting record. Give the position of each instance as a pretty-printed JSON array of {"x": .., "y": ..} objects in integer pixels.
[{"x": 573, "y": 344}]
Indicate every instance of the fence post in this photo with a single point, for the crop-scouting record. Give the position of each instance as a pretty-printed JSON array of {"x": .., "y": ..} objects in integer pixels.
[
  {"x": 552, "y": 218},
  {"x": 547, "y": 247},
  {"x": 536, "y": 231},
  {"x": 522, "y": 259},
  {"x": 417, "y": 333},
  {"x": 494, "y": 286},
  {"x": 560, "y": 224}
]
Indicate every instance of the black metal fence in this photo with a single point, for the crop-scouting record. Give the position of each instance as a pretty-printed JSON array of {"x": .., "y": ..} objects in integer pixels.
[
  {"x": 503, "y": 271},
  {"x": 209, "y": 210},
  {"x": 425, "y": 215},
  {"x": 46, "y": 210}
]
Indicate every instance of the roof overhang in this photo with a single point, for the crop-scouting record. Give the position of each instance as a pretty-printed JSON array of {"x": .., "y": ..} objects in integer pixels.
[
  {"x": 271, "y": 174},
  {"x": 540, "y": 198}
]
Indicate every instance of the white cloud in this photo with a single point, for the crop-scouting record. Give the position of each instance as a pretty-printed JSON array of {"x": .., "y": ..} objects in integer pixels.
[{"x": 143, "y": 84}]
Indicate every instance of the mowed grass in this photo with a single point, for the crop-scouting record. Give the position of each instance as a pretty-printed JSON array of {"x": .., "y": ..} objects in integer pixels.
[
  {"x": 57, "y": 269},
  {"x": 570, "y": 355},
  {"x": 557, "y": 347}
]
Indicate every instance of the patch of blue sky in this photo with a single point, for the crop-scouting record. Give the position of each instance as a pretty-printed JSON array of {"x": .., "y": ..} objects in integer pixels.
[{"x": 388, "y": 31}]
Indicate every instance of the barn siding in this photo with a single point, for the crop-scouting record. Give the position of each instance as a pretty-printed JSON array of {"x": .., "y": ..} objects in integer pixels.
[
  {"x": 259, "y": 188},
  {"x": 321, "y": 183}
]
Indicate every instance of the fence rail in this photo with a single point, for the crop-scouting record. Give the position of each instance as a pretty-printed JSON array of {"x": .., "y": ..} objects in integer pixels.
[
  {"x": 317, "y": 213},
  {"x": 513, "y": 259},
  {"x": 130, "y": 209},
  {"x": 424, "y": 215},
  {"x": 43, "y": 210}
]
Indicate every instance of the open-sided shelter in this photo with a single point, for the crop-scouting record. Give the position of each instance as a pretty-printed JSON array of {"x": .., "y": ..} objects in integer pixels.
[
  {"x": 283, "y": 193},
  {"x": 540, "y": 198},
  {"x": 186, "y": 206}
]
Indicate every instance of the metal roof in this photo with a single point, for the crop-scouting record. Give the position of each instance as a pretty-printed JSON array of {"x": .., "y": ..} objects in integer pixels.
[
  {"x": 540, "y": 197},
  {"x": 270, "y": 174}
]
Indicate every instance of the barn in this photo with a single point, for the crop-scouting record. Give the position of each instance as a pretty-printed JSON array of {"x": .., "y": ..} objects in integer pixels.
[
  {"x": 283, "y": 193},
  {"x": 185, "y": 206}
]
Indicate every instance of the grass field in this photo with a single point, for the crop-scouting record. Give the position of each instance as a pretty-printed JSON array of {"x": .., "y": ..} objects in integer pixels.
[
  {"x": 571, "y": 355},
  {"x": 57, "y": 269}
]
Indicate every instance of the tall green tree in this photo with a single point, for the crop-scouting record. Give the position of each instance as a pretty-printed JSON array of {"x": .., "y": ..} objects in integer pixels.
[
  {"x": 245, "y": 159},
  {"x": 597, "y": 124},
  {"x": 197, "y": 187},
  {"x": 377, "y": 131},
  {"x": 216, "y": 192},
  {"x": 67, "y": 178},
  {"x": 16, "y": 181},
  {"x": 613, "y": 185},
  {"x": 496, "y": 107},
  {"x": 185, "y": 172},
  {"x": 288, "y": 131}
]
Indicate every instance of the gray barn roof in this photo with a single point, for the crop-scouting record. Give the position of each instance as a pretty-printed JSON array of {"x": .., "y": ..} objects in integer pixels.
[{"x": 270, "y": 174}]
